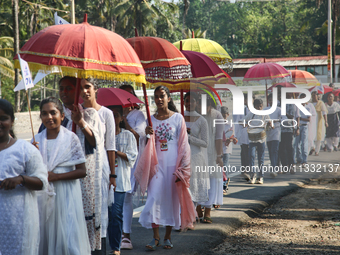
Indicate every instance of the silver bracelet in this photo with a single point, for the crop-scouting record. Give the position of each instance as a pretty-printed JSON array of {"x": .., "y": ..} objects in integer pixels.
[{"x": 84, "y": 127}]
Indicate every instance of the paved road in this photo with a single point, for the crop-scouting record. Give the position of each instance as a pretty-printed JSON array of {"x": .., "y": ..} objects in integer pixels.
[{"x": 241, "y": 203}]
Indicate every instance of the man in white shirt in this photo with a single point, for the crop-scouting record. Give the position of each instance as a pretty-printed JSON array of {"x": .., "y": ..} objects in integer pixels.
[
  {"x": 257, "y": 122},
  {"x": 242, "y": 136},
  {"x": 273, "y": 136}
]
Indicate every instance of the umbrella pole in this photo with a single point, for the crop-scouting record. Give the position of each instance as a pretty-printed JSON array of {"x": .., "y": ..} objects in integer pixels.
[
  {"x": 267, "y": 93},
  {"x": 76, "y": 101},
  {"x": 147, "y": 105},
  {"x": 29, "y": 110},
  {"x": 182, "y": 102}
]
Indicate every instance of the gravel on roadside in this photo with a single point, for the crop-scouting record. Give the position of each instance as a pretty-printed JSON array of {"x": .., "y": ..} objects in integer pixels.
[{"x": 304, "y": 222}]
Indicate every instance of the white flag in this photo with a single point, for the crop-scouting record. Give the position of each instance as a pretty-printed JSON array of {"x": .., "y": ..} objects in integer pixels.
[
  {"x": 58, "y": 20},
  {"x": 26, "y": 82},
  {"x": 40, "y": 75}
]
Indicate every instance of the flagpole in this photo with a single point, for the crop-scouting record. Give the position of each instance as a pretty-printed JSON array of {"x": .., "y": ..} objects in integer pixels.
[{"x": 29, "y": 110}]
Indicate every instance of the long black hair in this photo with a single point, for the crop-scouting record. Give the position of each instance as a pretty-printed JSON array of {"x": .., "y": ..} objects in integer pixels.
[
  {"x": 7, "y": 107},
  {"x": 171, "y": 104}
]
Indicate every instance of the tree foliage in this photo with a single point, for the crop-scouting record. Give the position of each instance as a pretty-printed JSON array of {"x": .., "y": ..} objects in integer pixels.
[
  {"x": 245, "y": 29},
  {"x": 261, "y": 29}
]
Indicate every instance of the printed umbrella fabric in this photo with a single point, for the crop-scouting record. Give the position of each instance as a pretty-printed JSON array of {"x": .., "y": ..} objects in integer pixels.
[
  {"x": 161, "y": 60},
  {"x": 83, "y": 51},
  {"x": 210, "y": 48},
  {"x": 300, "y": 77}
]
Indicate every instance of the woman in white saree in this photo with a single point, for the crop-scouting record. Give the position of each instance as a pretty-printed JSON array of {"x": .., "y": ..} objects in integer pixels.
[
  {"x": 21, "y": 164},
  {"x": 197, "y": 128},
  {"x": 89, "y": 132},
  {"x": 62, "y": 221}
]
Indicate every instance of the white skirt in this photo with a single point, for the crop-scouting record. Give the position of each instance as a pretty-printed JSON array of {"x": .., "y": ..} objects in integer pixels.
[
  {"x": 63, "y": 230},
  {"x": 215, "y": 192},
  {"x": 162, "y": 205}
]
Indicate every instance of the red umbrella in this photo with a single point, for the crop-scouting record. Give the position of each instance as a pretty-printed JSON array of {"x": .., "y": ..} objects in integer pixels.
[
  {"x": 161, "y": 60},
  {"x": 336, "y": 92},
  {"x": 205, "y": 73},
  {"x": 204, "y": 70},
  {"x": 321, "y": 90},
  {"x": 230, "y": 80},
  {"x": 82, "y": 51},
  {"x": 268, "y": 72},
  {"x": 164, "y": 64},
  {"x": 115, "y": 96},
  {"x": 283, "y": 84},
  {"x": 300, "y": 77}
]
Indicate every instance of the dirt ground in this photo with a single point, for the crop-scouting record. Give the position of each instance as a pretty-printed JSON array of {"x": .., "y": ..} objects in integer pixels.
[{"x": 304, "y": 222}]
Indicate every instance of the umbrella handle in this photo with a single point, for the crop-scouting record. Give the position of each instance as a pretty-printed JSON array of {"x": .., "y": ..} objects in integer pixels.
[
  {"x": 147, "y": 105},
  {"x": 76, "y": 101},
  {"x": 182, "y": 103}
]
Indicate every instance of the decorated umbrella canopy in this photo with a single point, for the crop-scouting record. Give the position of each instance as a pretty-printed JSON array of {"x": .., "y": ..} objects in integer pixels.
[
  {"x": 300, "y": 77},
  {"x": 164, "y": 64},
  {"x": 161, "y": 60},
  {"x": 82, "y": 51},
  {"x": 210, "y": 48},
  {"x": 267, "y": 72},
  {"x": 205, "y": 74}
]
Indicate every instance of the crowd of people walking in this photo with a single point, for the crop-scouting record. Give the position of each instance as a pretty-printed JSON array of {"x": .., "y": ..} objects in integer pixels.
[{"x": 77, "y": 189}]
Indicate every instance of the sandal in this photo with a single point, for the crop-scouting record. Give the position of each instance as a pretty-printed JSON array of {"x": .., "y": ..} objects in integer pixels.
[
  {"x": 167, "y": 244},
  {"x": 216, "y": 206},
  {"x": 152, "y": 245},
  {"x": 207, "y": 220},
  {"x": 126, "y": 244}
]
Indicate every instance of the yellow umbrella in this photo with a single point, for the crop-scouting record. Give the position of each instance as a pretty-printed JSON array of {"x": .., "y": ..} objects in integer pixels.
[{"x": 210, "y": 48}]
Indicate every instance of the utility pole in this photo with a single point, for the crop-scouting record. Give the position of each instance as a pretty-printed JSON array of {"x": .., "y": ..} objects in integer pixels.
[
  {"x": 15, "y": 14},
  {"x": 73, "y": 15},
  {"x": 329, "y": 47}
]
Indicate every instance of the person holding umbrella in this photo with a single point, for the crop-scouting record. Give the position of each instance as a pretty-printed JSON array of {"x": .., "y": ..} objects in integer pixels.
[
  {"x": 164, "y": 205},
  {"x": 90, "y": 135}
]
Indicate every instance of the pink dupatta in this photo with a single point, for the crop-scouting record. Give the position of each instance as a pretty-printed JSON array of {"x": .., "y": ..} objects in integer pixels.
[
  {"x": 147, "y": 165},
  {"x": 183, "y": 172},
  {"x": 147, "y": 168}
]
